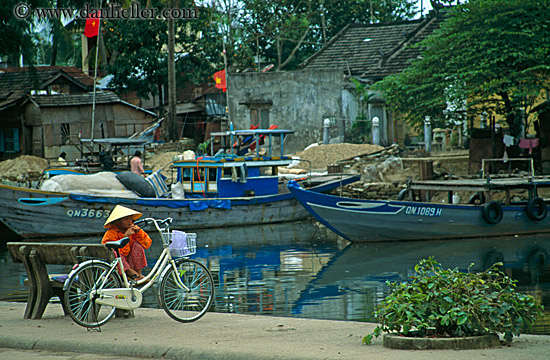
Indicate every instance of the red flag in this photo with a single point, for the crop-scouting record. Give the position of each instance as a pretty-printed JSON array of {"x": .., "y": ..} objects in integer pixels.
[
  {"x": 219, "y": 78},
  {"x": 92, "y": 25}
]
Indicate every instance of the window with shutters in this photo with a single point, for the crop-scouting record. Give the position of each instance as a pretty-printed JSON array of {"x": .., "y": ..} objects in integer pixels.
[{"x": 9, "y": 140}]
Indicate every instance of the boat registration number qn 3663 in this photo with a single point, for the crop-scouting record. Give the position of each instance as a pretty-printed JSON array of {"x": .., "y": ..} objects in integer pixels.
[
  {"x": 88, "y": 213},
  {"x": 423, "y": 211}
]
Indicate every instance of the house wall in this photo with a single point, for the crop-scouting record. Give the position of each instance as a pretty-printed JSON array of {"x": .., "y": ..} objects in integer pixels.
[
  {"x": 111, "y": 120},
  {"x": 297, "y": 100}
]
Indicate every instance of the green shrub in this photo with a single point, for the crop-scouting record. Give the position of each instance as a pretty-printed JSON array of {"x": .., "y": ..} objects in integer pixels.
[{"x": 450, "y": 303}]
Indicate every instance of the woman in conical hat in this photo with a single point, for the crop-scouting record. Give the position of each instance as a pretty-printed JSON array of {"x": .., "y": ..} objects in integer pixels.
[{"x": 120, "y": 224}]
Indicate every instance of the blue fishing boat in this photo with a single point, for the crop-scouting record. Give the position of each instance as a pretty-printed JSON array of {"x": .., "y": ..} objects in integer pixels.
[
  {"x": 219, "y": 190},
  {"x": 360, "y": 220}
]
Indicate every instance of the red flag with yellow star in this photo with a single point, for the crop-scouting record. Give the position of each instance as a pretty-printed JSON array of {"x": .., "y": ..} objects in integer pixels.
[
  {"x": 219, "y": 78},
  {"x": 92, "y": 25}
]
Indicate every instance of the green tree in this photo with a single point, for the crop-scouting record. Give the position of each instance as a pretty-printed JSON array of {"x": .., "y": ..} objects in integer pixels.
[
  {"x": 138, "y": 54},
  {"x": 492, "y": 55},
  {"x": 286, "y": 32},
  {"x": 16, "y": 34}
]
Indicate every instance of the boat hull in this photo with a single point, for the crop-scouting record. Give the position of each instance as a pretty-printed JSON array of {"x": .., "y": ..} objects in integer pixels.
[
  {"x": 370, "y": 220},
  {"x": 36, "y": 213}
]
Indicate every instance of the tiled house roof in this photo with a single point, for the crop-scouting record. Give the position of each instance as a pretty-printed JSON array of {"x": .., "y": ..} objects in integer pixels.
[
  {"x": 17, "y": 83},
  {"x": 102, "y": 97},
  {"x": 372, "y": 52}
]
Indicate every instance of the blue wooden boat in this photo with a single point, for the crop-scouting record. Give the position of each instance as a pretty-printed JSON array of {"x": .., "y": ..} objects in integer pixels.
[
  {"x": 222, "y": 190},
  {"x": 360, "y": 220}
]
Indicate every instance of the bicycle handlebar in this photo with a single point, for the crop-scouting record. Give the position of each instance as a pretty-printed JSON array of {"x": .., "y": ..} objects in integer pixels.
[{"x": 157, "y": 222}]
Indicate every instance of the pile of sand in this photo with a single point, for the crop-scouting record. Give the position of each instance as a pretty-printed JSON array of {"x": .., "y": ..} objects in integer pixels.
[
  {"x": 321, "y": 156},
  {"x": 161, "y": 160},
  {"x": 23, "y": 168}
]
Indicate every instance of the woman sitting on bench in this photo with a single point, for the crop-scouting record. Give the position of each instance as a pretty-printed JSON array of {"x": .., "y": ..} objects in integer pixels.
[{"x": 120, "y": 224}]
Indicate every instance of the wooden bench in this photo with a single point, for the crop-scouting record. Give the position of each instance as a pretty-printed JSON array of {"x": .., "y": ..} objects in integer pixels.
[{"x": 35, "y": 257}]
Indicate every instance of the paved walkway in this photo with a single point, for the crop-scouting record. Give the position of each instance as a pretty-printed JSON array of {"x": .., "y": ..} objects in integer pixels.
[{"x": 151, "y": 333}]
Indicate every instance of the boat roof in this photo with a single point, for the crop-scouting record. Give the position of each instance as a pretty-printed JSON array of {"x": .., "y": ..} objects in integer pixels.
[
  {"x": 233, "y": 160},
  {"x": 482, "y": 184},
  {"x": 116, "y": 141},
  {"x": 256, "y": 133},
  {"x": 252, "y": 132}
]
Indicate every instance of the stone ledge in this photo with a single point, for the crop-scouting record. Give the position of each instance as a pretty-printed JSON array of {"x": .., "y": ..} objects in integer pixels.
[{"x": 394, "y": 341}]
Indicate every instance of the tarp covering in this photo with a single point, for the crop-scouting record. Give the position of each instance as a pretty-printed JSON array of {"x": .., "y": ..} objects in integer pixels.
[{"x": 101, "y": 181}]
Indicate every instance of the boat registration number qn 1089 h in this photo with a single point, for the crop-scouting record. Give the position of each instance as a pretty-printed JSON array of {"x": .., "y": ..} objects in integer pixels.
[{"x": 423, "y": 211}]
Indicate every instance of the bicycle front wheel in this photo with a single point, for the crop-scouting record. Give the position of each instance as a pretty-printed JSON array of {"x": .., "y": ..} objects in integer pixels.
[
  {"x": 189, "y": 304},
  {"x": 80, "y": 294}
]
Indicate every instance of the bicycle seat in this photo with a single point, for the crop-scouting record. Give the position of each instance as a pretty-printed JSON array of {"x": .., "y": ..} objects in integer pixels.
[{"x": 115, "y": 245}]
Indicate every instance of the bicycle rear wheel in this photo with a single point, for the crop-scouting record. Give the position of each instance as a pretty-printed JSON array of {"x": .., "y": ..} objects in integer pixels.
[
  {"x": 80, "y": 297},
  {"x": 181, "y": 304}
]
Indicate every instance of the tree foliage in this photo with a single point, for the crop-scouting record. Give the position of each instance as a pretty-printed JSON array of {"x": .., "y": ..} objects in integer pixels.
[
  {"x": 281, "y": 32},
  {"x": 17, "y": 37},
  {"x": 493, "y": 55},
  {"x": 138, "y": 54},
  {"x": 286, "y": 32}
]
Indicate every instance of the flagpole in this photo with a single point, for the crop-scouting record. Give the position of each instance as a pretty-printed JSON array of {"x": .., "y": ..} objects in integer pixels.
[
  {"x": 95, "y": 79},
  {"x": 227, "y": 93}
]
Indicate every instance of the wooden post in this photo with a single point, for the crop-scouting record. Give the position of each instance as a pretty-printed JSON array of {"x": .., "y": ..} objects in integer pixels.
[{"x": 426, "y": 168}]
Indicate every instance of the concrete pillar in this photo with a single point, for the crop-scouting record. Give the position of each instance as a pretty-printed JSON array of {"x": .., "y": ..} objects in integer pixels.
[
  {"x": 376, "y": 130},
  {"x": 428, "y": 134},
  {"x": 483, "y": 120},
  {"x": 326, "y": 126}
]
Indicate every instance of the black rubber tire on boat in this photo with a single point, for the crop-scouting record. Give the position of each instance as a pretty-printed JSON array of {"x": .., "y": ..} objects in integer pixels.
[
  {"x": 476, "y": 199},
  {"x": 536, "y": 209},
  {"x": 492, "y": 212}
]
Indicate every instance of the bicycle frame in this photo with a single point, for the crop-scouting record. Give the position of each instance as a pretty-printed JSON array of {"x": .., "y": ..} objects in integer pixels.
[{"x": 129, "y": 297}]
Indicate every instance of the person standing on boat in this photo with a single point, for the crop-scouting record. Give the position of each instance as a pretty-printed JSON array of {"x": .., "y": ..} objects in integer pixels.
[
  {"x": 120, "y": 224},
  {"x": 136, "y": 165}
]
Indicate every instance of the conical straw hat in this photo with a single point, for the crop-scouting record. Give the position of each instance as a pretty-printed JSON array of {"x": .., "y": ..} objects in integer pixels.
[{"x": 118, "y": 213}]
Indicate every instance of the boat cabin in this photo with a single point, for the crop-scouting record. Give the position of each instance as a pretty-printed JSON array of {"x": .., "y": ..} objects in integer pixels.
[
  {"x": 107, "y": 154},
  {"x": 114, "y": 154},
  {"x": 228, "y": 174}
]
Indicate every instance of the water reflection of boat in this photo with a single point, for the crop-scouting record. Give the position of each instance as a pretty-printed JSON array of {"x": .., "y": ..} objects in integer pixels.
[
  {"x": 353, "y": 282},
  {"x": 261, "y": 269}
]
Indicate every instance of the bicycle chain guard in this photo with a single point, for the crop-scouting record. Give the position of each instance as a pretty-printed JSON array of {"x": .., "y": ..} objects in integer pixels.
[{"x": 128, "y": 299}]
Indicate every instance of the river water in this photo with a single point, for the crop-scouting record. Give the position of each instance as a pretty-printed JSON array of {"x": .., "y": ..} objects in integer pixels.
[{"x": 301, "y": 270}]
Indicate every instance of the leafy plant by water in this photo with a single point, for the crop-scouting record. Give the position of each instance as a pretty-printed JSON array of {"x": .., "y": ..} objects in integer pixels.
[{"x": 451, "y": 303}]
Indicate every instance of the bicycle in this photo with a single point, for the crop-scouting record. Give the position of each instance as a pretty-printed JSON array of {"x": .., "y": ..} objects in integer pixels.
[{"x": 95, "y": 288}]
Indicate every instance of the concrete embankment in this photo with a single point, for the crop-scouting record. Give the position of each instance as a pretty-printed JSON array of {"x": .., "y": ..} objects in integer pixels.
[{"x": 151, "y": 333}]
